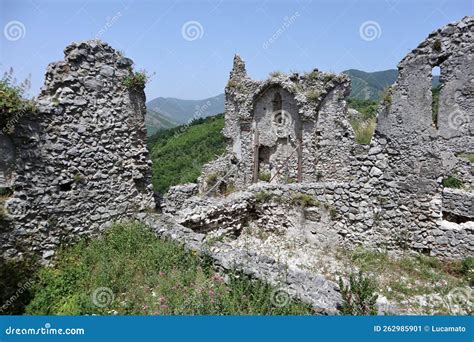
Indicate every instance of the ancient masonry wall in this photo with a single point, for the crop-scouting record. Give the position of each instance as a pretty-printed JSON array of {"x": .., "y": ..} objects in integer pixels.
[
  {"x": 388, "y": 195},
  {"x": 271, "y": 128},
  {"x": 80, "y": 162}
]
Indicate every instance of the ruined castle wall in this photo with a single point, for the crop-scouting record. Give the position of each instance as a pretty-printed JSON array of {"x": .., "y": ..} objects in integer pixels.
[
  {"x": 334, "y": 138},
  {"x": 426, "y": 148},
  {"x": 389, "y": 195},
  {"x": 80, "y": 162}
]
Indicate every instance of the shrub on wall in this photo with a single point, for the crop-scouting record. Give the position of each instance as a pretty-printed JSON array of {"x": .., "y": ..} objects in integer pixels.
[
  {"x": 137, "y": 80},
  {"x": 13, "y": 105}
]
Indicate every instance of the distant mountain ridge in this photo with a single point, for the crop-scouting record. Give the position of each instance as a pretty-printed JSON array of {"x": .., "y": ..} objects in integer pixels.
[
  {"x": 167, "y": 112},
  {"x": 182, "y": 111},
  {"x": 369, "y": 85}
]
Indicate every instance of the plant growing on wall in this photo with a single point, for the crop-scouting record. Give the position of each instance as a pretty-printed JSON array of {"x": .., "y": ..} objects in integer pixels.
[
  {"x": 137, "y": 80},
  {"x": 452, "y": 182},
  {"x": 13, "y": 105}
]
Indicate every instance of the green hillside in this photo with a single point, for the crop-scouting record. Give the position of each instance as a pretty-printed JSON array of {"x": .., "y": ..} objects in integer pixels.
[
  {"x": 155, "y": 121},
  {"x": 179, "y": 153},
  {"x": 369, "y": 85}
]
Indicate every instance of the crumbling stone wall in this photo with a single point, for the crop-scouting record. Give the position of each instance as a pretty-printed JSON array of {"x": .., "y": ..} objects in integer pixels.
[
  {"x": 422, "y": 149},
  {"x": 80, "y": 162},
  {"x": 288, "y": 128},
  {"x": 388, "y": 195}
]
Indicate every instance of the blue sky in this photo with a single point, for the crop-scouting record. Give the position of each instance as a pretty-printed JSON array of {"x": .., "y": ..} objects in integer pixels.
[{"x": 269, "y": 35}]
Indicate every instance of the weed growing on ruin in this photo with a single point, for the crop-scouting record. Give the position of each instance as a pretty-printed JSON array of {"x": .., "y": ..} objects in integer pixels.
[
  {"x": 263, "y": 197},
  {"x": 358, "y": 297},
  {"x": 452, "y": 182},
  {"x": 363, "y": 130},
  {"x": 437, "y": 45},
  {"x": 386, "y": 96},
  {"x": 13, "y": 105},
  {"x": 364, "y": 124},
  {"x": 137, "y": 80},
  {"x": 212, "y": 179},
  {"x": 264, "y": 176},
  {"x": 312, "y": 76},
  {"x": 303, "y": 200},
  {"x": 403, "y": 278},
  {"x": 312, "y": 95},
  {"x": 141, "y": 274},
  {"x": 467, "y": 156},
  {"x": 276, "y": 74}
]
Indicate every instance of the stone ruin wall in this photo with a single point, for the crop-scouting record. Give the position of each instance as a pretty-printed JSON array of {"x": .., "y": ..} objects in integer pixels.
[
  {"x": 387, "y": 195},
  {"x": 80, "y": 162},
  {"x": 294, "y": 128}
]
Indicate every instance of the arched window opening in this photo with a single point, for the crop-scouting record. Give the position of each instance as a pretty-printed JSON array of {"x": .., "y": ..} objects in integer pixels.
[{"x": 435, "y": 90}]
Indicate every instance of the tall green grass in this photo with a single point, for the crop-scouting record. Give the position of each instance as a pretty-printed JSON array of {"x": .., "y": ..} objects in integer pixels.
[{"x": 146, "y": 275}]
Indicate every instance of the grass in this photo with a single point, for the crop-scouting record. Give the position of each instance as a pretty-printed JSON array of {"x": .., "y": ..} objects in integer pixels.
[
  {"x": 409, "y": 276},
  {"x": 146, "y": 275},
  {"x": 363, "y": 130},
  {"x": 452, "y": 182},
  {"x": 312, "y": 95},
  {"x": 303, "y": 200},
  {"x": 364, "y": 125},
  {"x": 467, "y": 156},
  {"x": 264, "y": 176}
]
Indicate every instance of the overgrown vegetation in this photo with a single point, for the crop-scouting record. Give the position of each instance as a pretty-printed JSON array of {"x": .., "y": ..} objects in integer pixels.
[
  {"x": 312, "y": 95},
  {"x": 178, "y": 154},
  {"x": 13, "y": 105},
  {"x": 452, "y": 182},
  {"x": 467, "y": 156},
  {"x": 16, "y": 281},
  {"x": 364, "y": 125},
  {"x": 264, "y": 176},
  {"x": 303, "y": 200},
  {"x": 145, "y": 275},
  {"x": 402, "y": 278},
  {"x": 358, "y": 297},
  {"x": 363, "y": 130},
  {"x": 137, "y": 80},
  {"x": 386, "y": 96}
]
